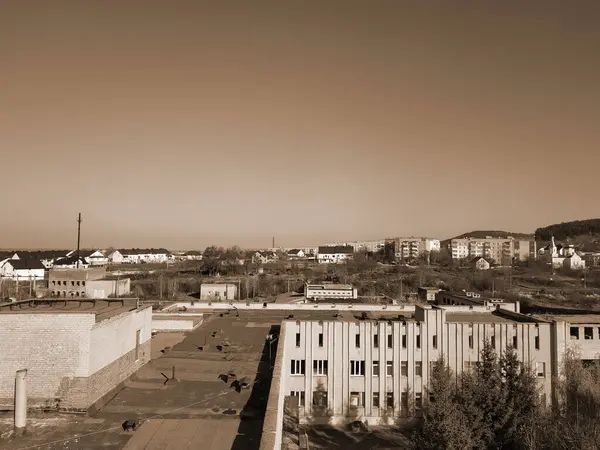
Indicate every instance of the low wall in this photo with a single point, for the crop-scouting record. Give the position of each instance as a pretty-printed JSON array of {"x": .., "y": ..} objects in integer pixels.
[
  {"x": 203, "y": 306},
  {"x": 272, "y": 432},
  {"x": 176, "y": 321}
]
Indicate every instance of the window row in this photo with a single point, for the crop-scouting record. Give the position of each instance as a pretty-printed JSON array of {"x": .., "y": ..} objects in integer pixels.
[
  {"x": 64, "y": 283},
  {"x": 588, "y": 333},
  {"x": 357, "y": 399}
]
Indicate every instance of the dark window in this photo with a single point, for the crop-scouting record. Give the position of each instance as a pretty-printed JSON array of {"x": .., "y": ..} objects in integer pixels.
[
  {"x": 390, "y": 341},
  {"x": 298, "y": 367},
  {"x": 319, "y": 398},
  {"x": 320, "y": 339},
  {"x": 418, "y": 341},
  {"x": 297, "y": 339},
  {"x": 574, "y": 332},
  {"x": 389, "y": 400},
  {"x": 403, "y": 341},
  {"x": 357, "y": 340},
  {"x": 375, "y": 368},
  {"x": 434, "y": 341},
  {"x": 588, "y": 333},
  {"x": 418, "y": 369},
  {"x": 376, "y": 340},
  {"x": 493, "y": 341},
  {"x": 470, "y": 341},
  {"x": 537, "y": 342},
  {"x": 375, "y": 399},
  {"x": 515, "y": 341}
]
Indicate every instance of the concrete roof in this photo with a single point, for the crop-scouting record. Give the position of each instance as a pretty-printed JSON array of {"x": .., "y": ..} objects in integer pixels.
[
  {"x": 574, "y": 318},
  {"x": 102, "y": 309},
  {"x": 477, "y": 317}
]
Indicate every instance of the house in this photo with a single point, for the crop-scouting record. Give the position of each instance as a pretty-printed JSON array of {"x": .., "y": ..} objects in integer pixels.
[
  {"x": 23, "y": 269},
  {"x": 562, "y": 256},
  {"x": 592, "y": 259},
  {"x": 71, "y": 262},
  {"x": 46, "y": 257},
  {"x": 92, "y": 257},
  {"x": 296, "y": 253},
  {"x": 192, "y": 255},
  {"x": 143, "y": 255},
  {"x": 334, "y": 254},
  {"x": 5, "y": 256},
  {"x": 574, "y": 262},
  {"x": 480, "y": 263},
  {"x": 115, "y": 257},
  {"x": 427, "y": 293},
  {"x": 264, "y": 257}
]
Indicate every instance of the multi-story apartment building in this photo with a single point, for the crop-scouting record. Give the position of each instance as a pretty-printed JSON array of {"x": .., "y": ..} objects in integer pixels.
[
  {"x": 498, "y": 250},
  {"x": 358, "y": 246},
  {"x": 413, "y": 247}
]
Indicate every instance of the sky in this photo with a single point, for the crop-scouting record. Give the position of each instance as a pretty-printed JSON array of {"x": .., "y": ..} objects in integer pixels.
[{"x": 186, "y": 123}]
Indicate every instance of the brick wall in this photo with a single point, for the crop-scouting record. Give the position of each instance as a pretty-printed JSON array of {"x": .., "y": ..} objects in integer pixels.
[{"x": 50, "y": 346}]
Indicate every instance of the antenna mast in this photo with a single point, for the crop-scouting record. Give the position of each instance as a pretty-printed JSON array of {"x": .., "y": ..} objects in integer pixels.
[{"x": 79, "y": 220}]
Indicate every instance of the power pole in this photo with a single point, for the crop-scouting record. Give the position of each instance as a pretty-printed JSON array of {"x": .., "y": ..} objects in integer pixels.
[{"x": 79, "y": 220}]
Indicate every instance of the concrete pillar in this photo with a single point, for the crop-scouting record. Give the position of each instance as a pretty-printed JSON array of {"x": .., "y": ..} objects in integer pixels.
[{"x": 20, "y": 402}]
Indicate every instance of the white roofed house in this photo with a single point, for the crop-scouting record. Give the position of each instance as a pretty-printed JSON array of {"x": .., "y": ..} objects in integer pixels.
[
  {"x": 71, "y": 262},
  {"x": 92, "y": 257},
  {"x": 296, "y": 253},
  {"x": 23, "y": 269},
  {"x": 115, "y": 257},
  {"x": 334, "y": 254},
  {"x": 145, "y": 255},
  {"x": 5, "y": 256}
]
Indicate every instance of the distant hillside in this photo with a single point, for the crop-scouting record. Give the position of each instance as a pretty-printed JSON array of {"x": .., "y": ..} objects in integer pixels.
[
  {"x": 496, "y": 234},
  {"x": 584, "y": 234}
]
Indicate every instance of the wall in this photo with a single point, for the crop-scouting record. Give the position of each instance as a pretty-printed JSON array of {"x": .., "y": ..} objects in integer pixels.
[
  {"x": 166, "y": 324},
  {"x": 50, "y": 346},
  {"x": 199, "y": 306},
  {"x": 106, "y": 288},
  {"x": 218, "y": 291}
]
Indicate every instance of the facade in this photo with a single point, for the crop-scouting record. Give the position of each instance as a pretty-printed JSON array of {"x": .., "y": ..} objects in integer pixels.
[
  {"x": 427, "y": 294},
  {"x": 502, "y": 251},
  {"x": 107, "y": 287},
  {"x": 334, "y": 254},
  {"x": 264, "y": 257},
  {"x": 223, "y": 291},
  {"x": 74, "y": 352},
  {"x": 358, "y": 246},
  {"x": 296, "y": 253},
  {"x": 448, "y": 298},
  {"x": 70, "y": 262},
  {"x": 562, "y": 256},
  {"x": 316, "y": 292},
  {"x": 91, "y": 257},
  {"x": 592, "y": 259},
  {"x": 23, "y": 269},
  {"x": 479, "y": 263},
  {"x": 408, "y": 248},
  {"x": 69, "y": 283},
  {"x": 140, "y": 256}
]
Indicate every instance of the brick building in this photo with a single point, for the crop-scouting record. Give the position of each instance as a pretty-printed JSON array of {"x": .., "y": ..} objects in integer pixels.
[
  {"x": 71, "y": 283},
  {"x": 75, "y": 351}
]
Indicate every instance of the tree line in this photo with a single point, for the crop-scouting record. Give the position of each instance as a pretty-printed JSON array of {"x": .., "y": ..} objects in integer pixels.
[
  {"x": 565, "y": 230},
  {"x": 498, "y": 405}
]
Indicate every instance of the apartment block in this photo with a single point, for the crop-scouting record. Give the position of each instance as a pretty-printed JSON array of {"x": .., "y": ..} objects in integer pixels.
[
  {"x": 412, "y": 247},
  {"x": 500, "y": 251}
]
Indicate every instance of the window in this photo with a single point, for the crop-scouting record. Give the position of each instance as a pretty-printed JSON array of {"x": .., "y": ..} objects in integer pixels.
[
  {"x": 375, "y": 368},
  {"x": 300, "y": 395},
  {"x": 493, "y": 341},
  {"x": 418, "y": 341},
  {"x": 470, "y": 341},
  {"x": 404, "y": 401},
  {"x": 357, "y": 340},
  {"x": 357, "y": 399},
  {"x": 320, "y": 367},
  {"x": 434, "y": 341},
  {"x": 403, "y": 341},
  {"x": 389, "y": 400},
  {"x": 320, "y": 398},
  {"x": 298, "y": 367},
  {"x": 390, "y": 341},
  {"x": 389, "y": 369},
  {"x": 376, "y": 340},
  {"x": 138, "y": 336},
  {"x": 537, "y": 342},
  {"x": 72, "y": 283},
  {"x": 83, "y": 283},
  {"x": 375, "y": 399},
  {"x": 418, "y": 401},
  {"x": 320, "y": 339},
  {"x": 588, "y": 333},
  {"x": 298, "y": 339},
  {"x": 574, "y": 332},
  {"x": 357, "y": 368},
  {"x": 515, "y": 341},
  {"x": 540, "y": 369},
  {"x": 418, "y": 369}
]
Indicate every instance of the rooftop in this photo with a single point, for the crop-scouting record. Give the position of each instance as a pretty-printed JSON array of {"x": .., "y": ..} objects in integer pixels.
[
  {"x": 572, "y": 318},
  {"x": 103, "y": 309},
  {"x": 496, "y": 316},
  {"x": 330, "y": 286}
]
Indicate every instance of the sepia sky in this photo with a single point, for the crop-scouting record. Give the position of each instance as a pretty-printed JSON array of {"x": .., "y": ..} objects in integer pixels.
[{"x": 184, "y": 123}]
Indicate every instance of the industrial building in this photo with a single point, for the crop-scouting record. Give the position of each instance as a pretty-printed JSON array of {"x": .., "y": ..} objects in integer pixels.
[
  {"x": 317, "y": 292},
  {"x": 71, "y": 283},
  {"x": 74, "y": 351}
]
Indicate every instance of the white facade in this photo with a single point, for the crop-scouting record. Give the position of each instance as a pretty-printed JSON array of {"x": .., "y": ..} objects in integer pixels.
[
  {"x": 378, "y": 369},
  {"x": 116, "y": 257},
  {"x": 10, "y": 269},
  {"x": 329, "y": 291},
  {"x": 432, "y": 245},
  {"x": 223, "y": 291}
]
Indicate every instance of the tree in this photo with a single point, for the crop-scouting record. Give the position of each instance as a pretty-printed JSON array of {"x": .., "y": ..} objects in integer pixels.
[{"x": 211, "y": 259}]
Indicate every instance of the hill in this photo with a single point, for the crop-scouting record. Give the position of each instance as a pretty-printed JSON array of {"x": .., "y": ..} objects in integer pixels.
[
  {"x": 481, "y": 234},
  {"x": 569, "y": 230}
]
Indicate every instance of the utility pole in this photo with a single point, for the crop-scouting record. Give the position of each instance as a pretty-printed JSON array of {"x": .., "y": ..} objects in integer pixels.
[{"x": 79, "y": 220}]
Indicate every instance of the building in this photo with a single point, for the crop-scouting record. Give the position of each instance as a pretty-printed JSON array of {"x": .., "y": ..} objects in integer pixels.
[
  {"x": 69, "y": 283},
  {"x": 448, "y": 298},
  {"x": 75, "y": 352},
  {"x": 222, "y": 291},
  {"x": 334, "y": 254},
  {"x": 501, "y": 251},
  {"x": 410, "y": 248},
  {"x": 5, "y": 256},
  {"x": 46, "y": 257},
  {"x": 264, "y": 257},
  {"x": 108, "y": 287},
  {"x": 427, "y": 294},
  {"x": 91, "y": 257},
  {"x": 562, "y": 256},
  {"x": 296, "y": 253},
  {"x": 23, "y": 269},
  {"x": 319, "y": 292},
  {"x": 592, "y": 259},
  {"x": 479, "y": 263},
  {"x": 139, "y": 256},
  {"x": 360, "y": 246},
  {"x": 71, "y": 262}
]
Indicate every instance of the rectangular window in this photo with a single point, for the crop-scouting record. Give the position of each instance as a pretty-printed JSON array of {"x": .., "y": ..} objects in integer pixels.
[
  {"x": 404, "y": 368},
  {"x": 298, "y": 339},
  {"x": 300, "y": 395},
  {"x": 403, "y": 341},
  {"x": 574, "y": 332},
  {"x": 537, "y": 342},
  {"x": 540, "y": 369},
  {"x": 138, "y": 336},
  {"x": 375, "y": 368},
  {"x": 298, "y": 367},
  {"x": 493, "y": 342},
  {"x": 418, "y": 340},
  {"x": 389, "y": 369},
  {"x": 434, "y": 340},
  {"x": 320, "y": 367},
  {"x": 357, "y": 340},
  {"x": 357, "y": 399},
  {"x": 418, "y": 369},
  {"x": 588, "y": 333},
  {"x": 357, "y": 368},
  {"x": 376, "y": 340},
  {"x": 320, "y": 398},
  {"x": 375, "y": 399},
  {"x": 390, "y": 341},
  {"x": 320, "y": 339},
  {"x": 389, "y": 400},
  {"x": 404, "y": 401},
  {"x": 515, "y": 341},
  {"x": 418, "y": 401},
  {"x": 471, "y": 341}
]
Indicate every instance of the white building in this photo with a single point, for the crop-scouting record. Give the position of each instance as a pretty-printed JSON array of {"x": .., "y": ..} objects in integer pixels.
[
  {"x": 562, "y": 256},
  {"x": 432, "y": 245},
  {"x": 501, "y": 251},
  {"x": 322, "y": 292},
  {"x": 75, "y": 352},
  {"x": 22, "y": 269},
  {"x": 334, "y": 254},
  {"x": 218, "y": 291},
  {"x": 108, "y": 287},
  {"x": 91, "y": 257},
  {"x": 139, "y": 256},
  {"x": 480, "y": 263}
]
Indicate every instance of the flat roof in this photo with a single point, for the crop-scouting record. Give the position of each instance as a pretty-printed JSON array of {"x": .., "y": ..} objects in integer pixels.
[
  {"x": 330, "y": 286},
  {"x": 102, "y": 309},
  {"x": 478, "y": 317},
  {"x": 572, "y": 318}
]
